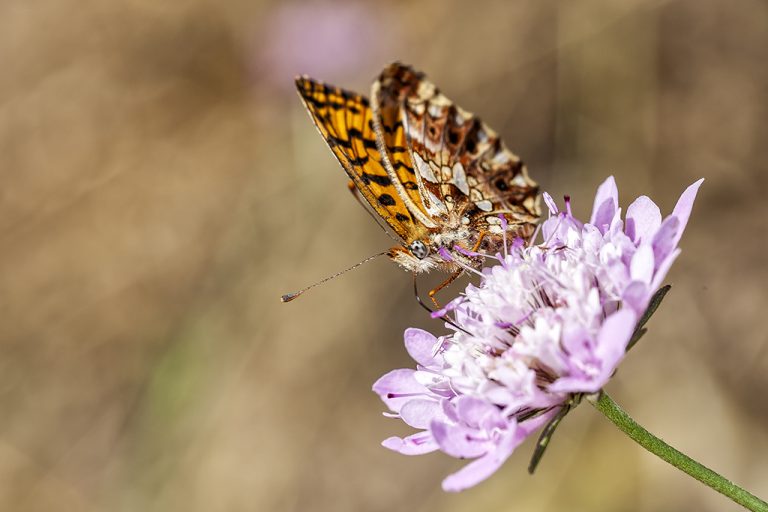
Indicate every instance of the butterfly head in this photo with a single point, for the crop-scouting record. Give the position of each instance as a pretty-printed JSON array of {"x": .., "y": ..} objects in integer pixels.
[
  {"x": 430, "y": 254},
  {"x": 418, "y": 249},
  {"x": 417, "y": 256}
]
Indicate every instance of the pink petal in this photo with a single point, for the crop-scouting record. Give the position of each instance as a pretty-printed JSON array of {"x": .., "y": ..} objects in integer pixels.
[
  {"x": 420, "y": 345},
  {"x": 419, "y": 413},
  {"x": 641, "y": 266},
  {"x": 449, "y": 410},
  {"x": 610, "y": 348},
  {"x": 636, "y": 296},
  {"x": 576, "y": 340},
  {"x": 684, "y": 206},
  {"x": 643, "y": 219},
  {"x": 606, "y": 203},
  {"x": 664, "y": 240},
  {"x": 617, "y": 225},
  {"x": 549, "y": 226},
  {"x": 458, "y": 441},
  {"x": 480, "y": 469},
  {"x": 612, "y": 341},
  {"x": 398, "y": 387},
  {"x": 574, "y": 384},
  {"x": 474, "y": 411},
  {"x": 664, "y": 267},
  {"x": 415, "y": 444}
]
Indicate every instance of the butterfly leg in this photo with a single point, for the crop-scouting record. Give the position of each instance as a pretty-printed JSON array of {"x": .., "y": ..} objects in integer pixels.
[
  {"x": 456, "y": 274},
  {"x": 442, "y": 285},
  {"x": 479, "y": 240}
]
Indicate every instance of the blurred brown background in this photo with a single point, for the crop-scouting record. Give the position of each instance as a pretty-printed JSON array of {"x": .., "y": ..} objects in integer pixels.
[{"x": 161, "y": 187}]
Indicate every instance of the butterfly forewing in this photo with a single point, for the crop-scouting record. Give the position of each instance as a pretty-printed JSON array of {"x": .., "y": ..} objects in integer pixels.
[{"x": 345, "y": 121}]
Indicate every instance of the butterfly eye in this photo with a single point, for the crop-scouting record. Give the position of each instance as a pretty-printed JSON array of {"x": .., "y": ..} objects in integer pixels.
[{"x": 419, "y": 249}]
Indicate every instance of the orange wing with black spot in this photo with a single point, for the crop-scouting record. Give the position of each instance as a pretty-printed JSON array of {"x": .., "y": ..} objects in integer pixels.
[
  {"x": 390, "y": 131},
  {"x": 345, "y": 121}
]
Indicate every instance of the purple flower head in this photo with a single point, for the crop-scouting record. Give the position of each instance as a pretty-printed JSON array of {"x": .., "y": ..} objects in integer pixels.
[{"x": 547, "y": 323}]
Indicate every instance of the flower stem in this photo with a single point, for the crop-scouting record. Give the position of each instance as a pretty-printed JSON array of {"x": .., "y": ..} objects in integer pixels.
[{"x": 653, "y": 444}]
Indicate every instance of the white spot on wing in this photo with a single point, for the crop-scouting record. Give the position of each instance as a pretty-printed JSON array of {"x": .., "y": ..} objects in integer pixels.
[
  {"x": 437, "y": 206},
  {"x": 495, "y": 229},
  {"x": 434, "y": 110},
  {"x": 441, "y": 100},
  {"x": 460, "y": 178},
  {"x": 501, "y": 157},
  {"x": 432, "y": 145},
  {"x": 417, "y": 107},
  {"x": 426, "y": 89},
  {"x": 519, "y": 180},
  {"x": 424, "y": 169},
  {"x": 484, "y": 205}
]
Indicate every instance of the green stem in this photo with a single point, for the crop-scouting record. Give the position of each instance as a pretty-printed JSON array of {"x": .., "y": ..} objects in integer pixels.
[{"x": 653, "y": 444}]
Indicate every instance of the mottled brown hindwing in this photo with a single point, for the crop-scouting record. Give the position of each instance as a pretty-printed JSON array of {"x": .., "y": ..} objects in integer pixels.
[{"x": 460, "y": 161}]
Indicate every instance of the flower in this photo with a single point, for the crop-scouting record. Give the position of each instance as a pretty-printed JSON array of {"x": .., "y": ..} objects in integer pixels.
[{"x": 547, "y": 323}]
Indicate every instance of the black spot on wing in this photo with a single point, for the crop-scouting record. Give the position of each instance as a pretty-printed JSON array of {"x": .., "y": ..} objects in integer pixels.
[
  {"x": 386, "y": 200},
  {"x": 473, "y": 211},
  {"x": 309, "y": 89},
  {"x": 501, "y": 184},
  {"x": 397, "y": 165},
  {"x": 470, "y": 145},
  {"x": 387, "y": 129},
  {"x": 402, "y": 218},
  {"x": 357, "y": 134},
  {"x": 333, "y": 105},
  {"x": 336, "y": 141},
  {"x": 359, "y": 161},
  {"x": 384, "y": 181}
]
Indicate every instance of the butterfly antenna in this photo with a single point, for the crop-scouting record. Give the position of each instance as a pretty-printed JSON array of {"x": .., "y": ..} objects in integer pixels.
[
  {"x": 353, "y": 189},
  {"x": 288, "y": 297}
]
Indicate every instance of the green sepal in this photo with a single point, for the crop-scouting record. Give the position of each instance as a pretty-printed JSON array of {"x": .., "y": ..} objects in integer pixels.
[
  {"x": 549, "y": 430},
  {"x": 653, "y": 305}
]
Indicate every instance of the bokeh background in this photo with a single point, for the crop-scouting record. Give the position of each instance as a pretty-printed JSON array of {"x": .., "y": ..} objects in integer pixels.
[{"x": 161, "y": 187}]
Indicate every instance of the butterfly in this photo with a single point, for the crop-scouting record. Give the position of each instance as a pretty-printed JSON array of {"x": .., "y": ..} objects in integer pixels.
[{"x": 435, "y": 174}]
